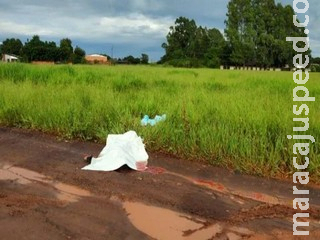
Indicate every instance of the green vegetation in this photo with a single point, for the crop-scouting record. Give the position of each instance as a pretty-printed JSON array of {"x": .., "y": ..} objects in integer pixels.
[
  {"x": 236, "y": 119},
  {"x": 191, "y": 46},
  {"x": 38, "y": 50},
  {"x": 257, "y": 31},
  {"x": 255, "y": 35}
]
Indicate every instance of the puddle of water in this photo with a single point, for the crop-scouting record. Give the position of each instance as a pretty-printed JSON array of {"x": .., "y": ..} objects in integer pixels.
[
  {"x": 63, "y": 192},
  {"x": 70, "y": 193},
  {"x": 6, "y": 175},
  {"x": 27, "y": 174},
  {"x": 161, "y": 223}
]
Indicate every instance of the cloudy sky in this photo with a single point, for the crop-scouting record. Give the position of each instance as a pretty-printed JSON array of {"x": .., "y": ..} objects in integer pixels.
[{"x": 121, "y": 27}]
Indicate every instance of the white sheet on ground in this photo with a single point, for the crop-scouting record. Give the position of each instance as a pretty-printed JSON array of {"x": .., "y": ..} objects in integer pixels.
[{"x": 121, "y": 149}]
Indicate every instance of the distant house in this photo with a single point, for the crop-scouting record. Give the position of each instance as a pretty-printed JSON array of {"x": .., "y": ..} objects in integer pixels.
[
  {"x": 96, "y": 59},
  {"x": 9, "y": 58}
]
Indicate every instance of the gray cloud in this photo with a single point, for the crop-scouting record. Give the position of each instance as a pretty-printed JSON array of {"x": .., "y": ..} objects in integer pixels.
[{"x": 139, "y": 24}]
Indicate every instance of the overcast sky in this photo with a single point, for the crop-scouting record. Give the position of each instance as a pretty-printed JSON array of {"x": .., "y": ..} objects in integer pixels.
[{"x": 129, "y": 27}]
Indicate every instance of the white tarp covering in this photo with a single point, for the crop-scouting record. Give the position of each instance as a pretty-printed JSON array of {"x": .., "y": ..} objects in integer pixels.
[{"x": 121, "y": 149}]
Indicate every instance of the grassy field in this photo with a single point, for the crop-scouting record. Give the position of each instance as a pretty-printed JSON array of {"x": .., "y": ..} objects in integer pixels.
[{"x": 236, "y": 119}]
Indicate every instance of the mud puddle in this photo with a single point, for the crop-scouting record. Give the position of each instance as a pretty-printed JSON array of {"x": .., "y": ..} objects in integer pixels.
[
  {"x": 63, "y": 192},
  {"x": 160, "y": 223}
]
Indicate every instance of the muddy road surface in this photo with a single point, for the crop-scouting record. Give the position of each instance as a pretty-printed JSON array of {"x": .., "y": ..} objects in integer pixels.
[{"x": 44, "y": 194}]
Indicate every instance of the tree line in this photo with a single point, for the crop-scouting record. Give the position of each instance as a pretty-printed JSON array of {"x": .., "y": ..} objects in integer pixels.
[
  {"x": 144, "y": 59},
  {"x": 255, "y": 35},
  {"x": 38, "y": 50}
]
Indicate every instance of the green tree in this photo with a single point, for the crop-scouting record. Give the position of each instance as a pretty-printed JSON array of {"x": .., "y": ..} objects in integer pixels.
[
  {"x": 37, "y": 50},
  {"x": 191, "y": 46},
  {"x": 265, "y": 19},
  {"x": 256, "y": 31},
  {"x": 281, "y": 48},
  {"x": 52, "y": 52},
  {"x": 66, "y": 50},
  {"x": 315, "y": 60},
  {"x": 179, "y": 40},
  {"x": 240, "y": 32},
  {"x": 131, "y": 60},
  {"x": 225, "y": 55},
  {"x": 144, "y": 58},
  {"x": 78, "y": 55},
  {"x": 214, "y": 48},
  {"x": 33, "y": 49},
  {"x": 11, "y": 46}
]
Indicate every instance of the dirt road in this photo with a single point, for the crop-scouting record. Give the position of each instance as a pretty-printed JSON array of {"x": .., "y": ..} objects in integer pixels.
[{"x": 44, "y": 194}]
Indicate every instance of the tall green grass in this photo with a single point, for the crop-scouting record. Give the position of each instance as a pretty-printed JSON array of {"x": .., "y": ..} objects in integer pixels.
[{"x": 236, "y": 119}]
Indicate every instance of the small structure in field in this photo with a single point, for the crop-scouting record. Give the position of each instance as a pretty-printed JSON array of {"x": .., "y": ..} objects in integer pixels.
[
  {"x": 97, "y": 59},
  {"x": 9, "y": 58}
]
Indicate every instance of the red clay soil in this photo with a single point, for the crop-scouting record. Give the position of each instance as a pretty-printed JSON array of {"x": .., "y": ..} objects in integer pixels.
[{"x": 44, "y": 194}]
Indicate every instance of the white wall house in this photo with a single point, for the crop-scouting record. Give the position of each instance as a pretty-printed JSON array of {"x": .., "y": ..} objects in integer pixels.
[{"x": 9, "y": 58}]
